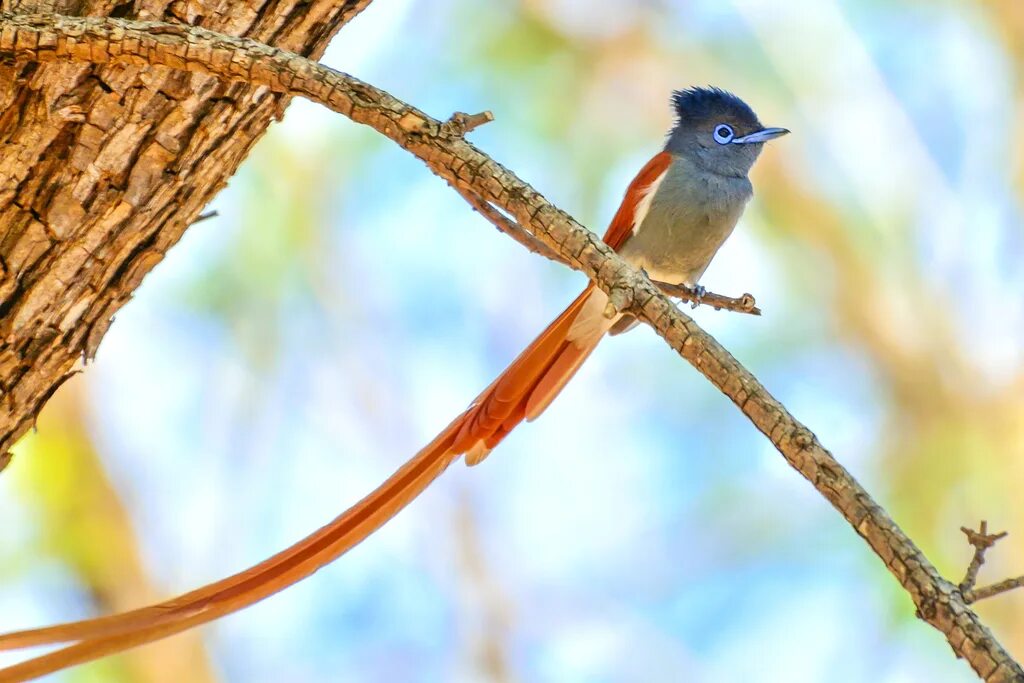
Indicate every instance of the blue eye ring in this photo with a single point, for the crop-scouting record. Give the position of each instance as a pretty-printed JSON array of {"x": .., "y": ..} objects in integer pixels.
[{"x": 723, "y": 134}]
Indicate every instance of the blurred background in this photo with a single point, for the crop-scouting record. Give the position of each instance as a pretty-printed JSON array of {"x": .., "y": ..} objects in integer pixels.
[{"x": 345, "y": 304}]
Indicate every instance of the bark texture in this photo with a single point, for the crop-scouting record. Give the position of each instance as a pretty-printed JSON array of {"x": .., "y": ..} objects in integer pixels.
[{"x": 104, "y": 166}]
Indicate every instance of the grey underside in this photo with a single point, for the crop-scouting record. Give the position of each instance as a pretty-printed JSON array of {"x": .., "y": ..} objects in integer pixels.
[{"x": 690, "y": 216}]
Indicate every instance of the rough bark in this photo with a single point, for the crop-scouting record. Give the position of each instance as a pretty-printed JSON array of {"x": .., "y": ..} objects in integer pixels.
[
  {"x": 442, "y": 147},
  {"x": 104, "y": 166}
]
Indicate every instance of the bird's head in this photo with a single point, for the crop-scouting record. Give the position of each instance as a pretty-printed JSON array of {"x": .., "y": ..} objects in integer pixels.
[{"x": 717, "y": 130}]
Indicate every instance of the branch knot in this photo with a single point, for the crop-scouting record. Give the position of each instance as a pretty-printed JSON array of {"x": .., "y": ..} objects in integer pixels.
[
  {"x": 461, "y": 123},
  {"x": 981, "y": 539},
  {"x": 621, "y": 298}
]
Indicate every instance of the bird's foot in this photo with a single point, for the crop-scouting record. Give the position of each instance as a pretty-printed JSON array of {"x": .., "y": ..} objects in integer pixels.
[{"x": 698, "y": 292}]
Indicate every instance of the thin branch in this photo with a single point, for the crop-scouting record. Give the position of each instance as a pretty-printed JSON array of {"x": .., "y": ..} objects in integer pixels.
[
  {"x": 982, "y": 541},
  {"x": 508, "y": 226},
  {"x": 973, "y": 596},
  {"x": 205, "y": 217},
  {"x": 743, "y": 304},
  {"x": 454, "y": 159}
]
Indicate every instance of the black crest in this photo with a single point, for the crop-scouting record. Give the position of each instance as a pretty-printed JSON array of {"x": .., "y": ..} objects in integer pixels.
[{"x": 695, "y": 106}]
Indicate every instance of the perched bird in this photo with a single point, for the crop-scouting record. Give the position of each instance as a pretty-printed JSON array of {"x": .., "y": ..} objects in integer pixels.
[{"x": 676, "y": 214}]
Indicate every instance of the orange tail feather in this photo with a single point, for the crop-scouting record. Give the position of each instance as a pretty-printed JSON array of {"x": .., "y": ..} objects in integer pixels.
[
  {"x": 107, "y": 635},
  {"x": 521, "y": 392},
  {"x": 528, "y": 385}
]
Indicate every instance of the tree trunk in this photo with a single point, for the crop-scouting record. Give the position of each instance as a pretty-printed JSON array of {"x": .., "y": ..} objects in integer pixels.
[{"x": 103, "y": 168}]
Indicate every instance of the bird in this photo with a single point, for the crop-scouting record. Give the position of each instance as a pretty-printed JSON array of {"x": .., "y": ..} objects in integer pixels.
[{"x": 675, "y": 215}]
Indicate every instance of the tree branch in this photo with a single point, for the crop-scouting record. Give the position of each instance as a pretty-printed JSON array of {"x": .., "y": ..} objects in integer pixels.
[{"x": 448, "y": 155}]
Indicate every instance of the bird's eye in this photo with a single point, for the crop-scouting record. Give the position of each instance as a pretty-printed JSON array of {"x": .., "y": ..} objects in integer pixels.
[{"x": 723, "y": 134}]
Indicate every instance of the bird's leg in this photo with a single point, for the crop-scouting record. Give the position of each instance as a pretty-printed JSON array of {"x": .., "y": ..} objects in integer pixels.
[{"x": 698, "y": 292}]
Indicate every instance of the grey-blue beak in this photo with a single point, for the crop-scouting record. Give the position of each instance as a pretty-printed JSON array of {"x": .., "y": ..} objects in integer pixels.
[{"x": 763, "y": 135}]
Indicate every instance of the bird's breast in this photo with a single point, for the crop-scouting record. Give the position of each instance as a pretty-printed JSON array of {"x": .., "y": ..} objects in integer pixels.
[{"x": 683, "y": 221}]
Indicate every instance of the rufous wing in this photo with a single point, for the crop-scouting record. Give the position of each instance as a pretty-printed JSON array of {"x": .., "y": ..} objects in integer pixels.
[{"x": 623, "y": 223}]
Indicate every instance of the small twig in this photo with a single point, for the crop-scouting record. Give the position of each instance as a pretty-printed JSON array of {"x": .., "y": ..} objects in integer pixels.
[
  {"x": 205, "y": 216},
  {"x": 973, "y": 596},
  {"x": 982, "y": 540},
  {"x": 506, "y": 225},
  {"x": 461, "y": 123},
  {"x": 743, "y": 304}
]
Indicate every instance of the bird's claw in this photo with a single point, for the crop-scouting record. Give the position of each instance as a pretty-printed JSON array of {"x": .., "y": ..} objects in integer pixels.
[{"x": 697, "y": 292}]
